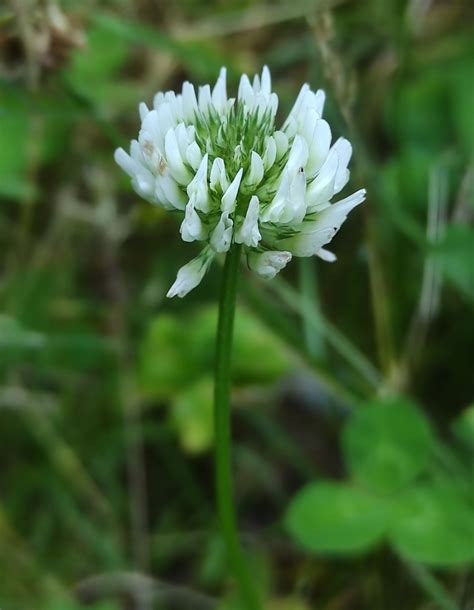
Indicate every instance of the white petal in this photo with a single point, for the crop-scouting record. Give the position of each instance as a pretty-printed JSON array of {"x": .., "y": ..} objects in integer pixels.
[
  {"x": 248, "y": 232},
  {"x": 175, "y": 103},
  {"x": 326, "y": 255},
  {"x": 164, "y": 120},
  {"x": 190, "y": 105},
  {"x": 198, "y": 187},
  {"x": 297, "y": 208},
  {"x": 320, "y": 98},
  {"x": 265, "y": 103},
  {"x": 277, "y": 208},
  {"x": 221, "y": 238},
  {"x": 269, "y": 155},
  {"x": 256, "y": 83},
  {"x": 230, "y": 196},
  {"x": 151, "y": 125},
  {"x": 218, "y": 176},
  {"x": 136, "y": 152},
  {"x": 344, "y": 206},
  {"x": 170, "y": 187},
  {"x": 143, "y": 182},
  {"x": 266, "y": 81},
  {"x": 246, "y": 93},
  {"x": 298, "y": 154},
  {"x": 150, "y": 155},
  {"x": 306, "y": 100},
  {"x": 143, "y": 110},
  {"x": 205, "y": 99},
  {"x": 256, "y": 170},
  {"x": 344, "y": 151},
  {"x": 312, "y": 236},
  {"x": 219, "y": 93},
  {"x": 268, "y": 264},
  {"x": 158, "y": 100},
  {"x": 290, "y": 127},
  {"x": 173, "y": 156},
  {"x": 318, "y": 147},
  {"x": 129, "y": 165},
  {"x": 281, "y": 141},
  {"x": 191, "y": 274},
  {"x": 192, "y": 228},
  {"x": 307, "y": 244},
  {"x": 145, "y": 187},
  {"x": 321, "y": 189},
  {"x": 194, "y": 155},
  {"x": 299, "y": 100},
  {"x": 289, "y": 203},
  {"x": 312, "y": 101},
  {"x": 184, "y": 136},
  {"x": 308, "y": 124}
]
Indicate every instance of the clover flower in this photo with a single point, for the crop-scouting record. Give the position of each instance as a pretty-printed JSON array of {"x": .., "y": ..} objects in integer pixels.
[{"x": 234, "y": 177}]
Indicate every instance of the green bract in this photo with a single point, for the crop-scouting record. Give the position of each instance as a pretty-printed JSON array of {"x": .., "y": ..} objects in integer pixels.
[{"x": 235, "y": 177}]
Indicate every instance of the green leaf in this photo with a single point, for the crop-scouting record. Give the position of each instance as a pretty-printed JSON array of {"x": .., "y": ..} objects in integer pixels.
[
  {"x": 387, "y": 444},
  {"x": 463, "y": 426},
  {"x": 13, "y": 336},
  {"x": 333, "y": 517},
  {"x": 455, "y": 256},
  {"x": 101, "y": 59},
  {"x": 34, "y": 129},
  {"x": 93, "y": 70},
  {"x": 201, "y": 59},
  {"x": 258, "y": 356},
  {"x": 193, "y": 417},
  {"x": 162, "y": 367},
  {"x": 433, "y": 525},
  {"x": 14, "y": 133},
  {"x": 462, "y": 100},
  {"x": 70, "y": 604},
  {"x": 417, "y": 111},
  {"x": 177, "y": 352},
  {"x": 287, "y": 603}
]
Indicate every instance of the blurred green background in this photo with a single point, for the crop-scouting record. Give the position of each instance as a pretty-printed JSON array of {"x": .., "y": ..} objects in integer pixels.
[{"x": 353, "y": 382}]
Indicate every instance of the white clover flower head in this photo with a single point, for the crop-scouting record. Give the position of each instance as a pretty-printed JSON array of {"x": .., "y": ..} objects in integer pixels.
[{"x": 222, "y": 163}]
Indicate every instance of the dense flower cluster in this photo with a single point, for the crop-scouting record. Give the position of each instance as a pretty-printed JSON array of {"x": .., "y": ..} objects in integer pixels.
[{"x": 234, "y": 177}]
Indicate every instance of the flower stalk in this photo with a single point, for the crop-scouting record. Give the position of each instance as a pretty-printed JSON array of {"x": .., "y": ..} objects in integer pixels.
[{"x": 222, "y": 426}]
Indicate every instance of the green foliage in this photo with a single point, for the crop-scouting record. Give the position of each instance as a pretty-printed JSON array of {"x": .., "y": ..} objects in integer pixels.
[
  {"x": 455, "y": 256},
  {"x": 192, "y": 415},
  {"x": 387, "y": 445},
  {"x": 463, "y": 427},
  {"x": 433, "y": 524},
  {"x": 463, "y": 102},
  {"x": 69, "y": 604},
  {"x": 162, "y": 366},
  {"x": 93, "y": 70},
  {"x": 86, "y": 336},
  {"x": 13, "y": 154},
  {"x": 13, "y": 336},
  {"x": 199, "y": 57},
  {"x": 258, "y": 355},
  {"x": 335, "y": 518},
  {"x": 177, "y": 355},
  {"x": 34, "y": 130}
]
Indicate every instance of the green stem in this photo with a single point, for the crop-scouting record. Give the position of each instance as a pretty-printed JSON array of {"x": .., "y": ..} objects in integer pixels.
[
  {"x": 434, "y": 589},
  {"x": 224, "y": 490},
  {"x": 310, "y": 307}
]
